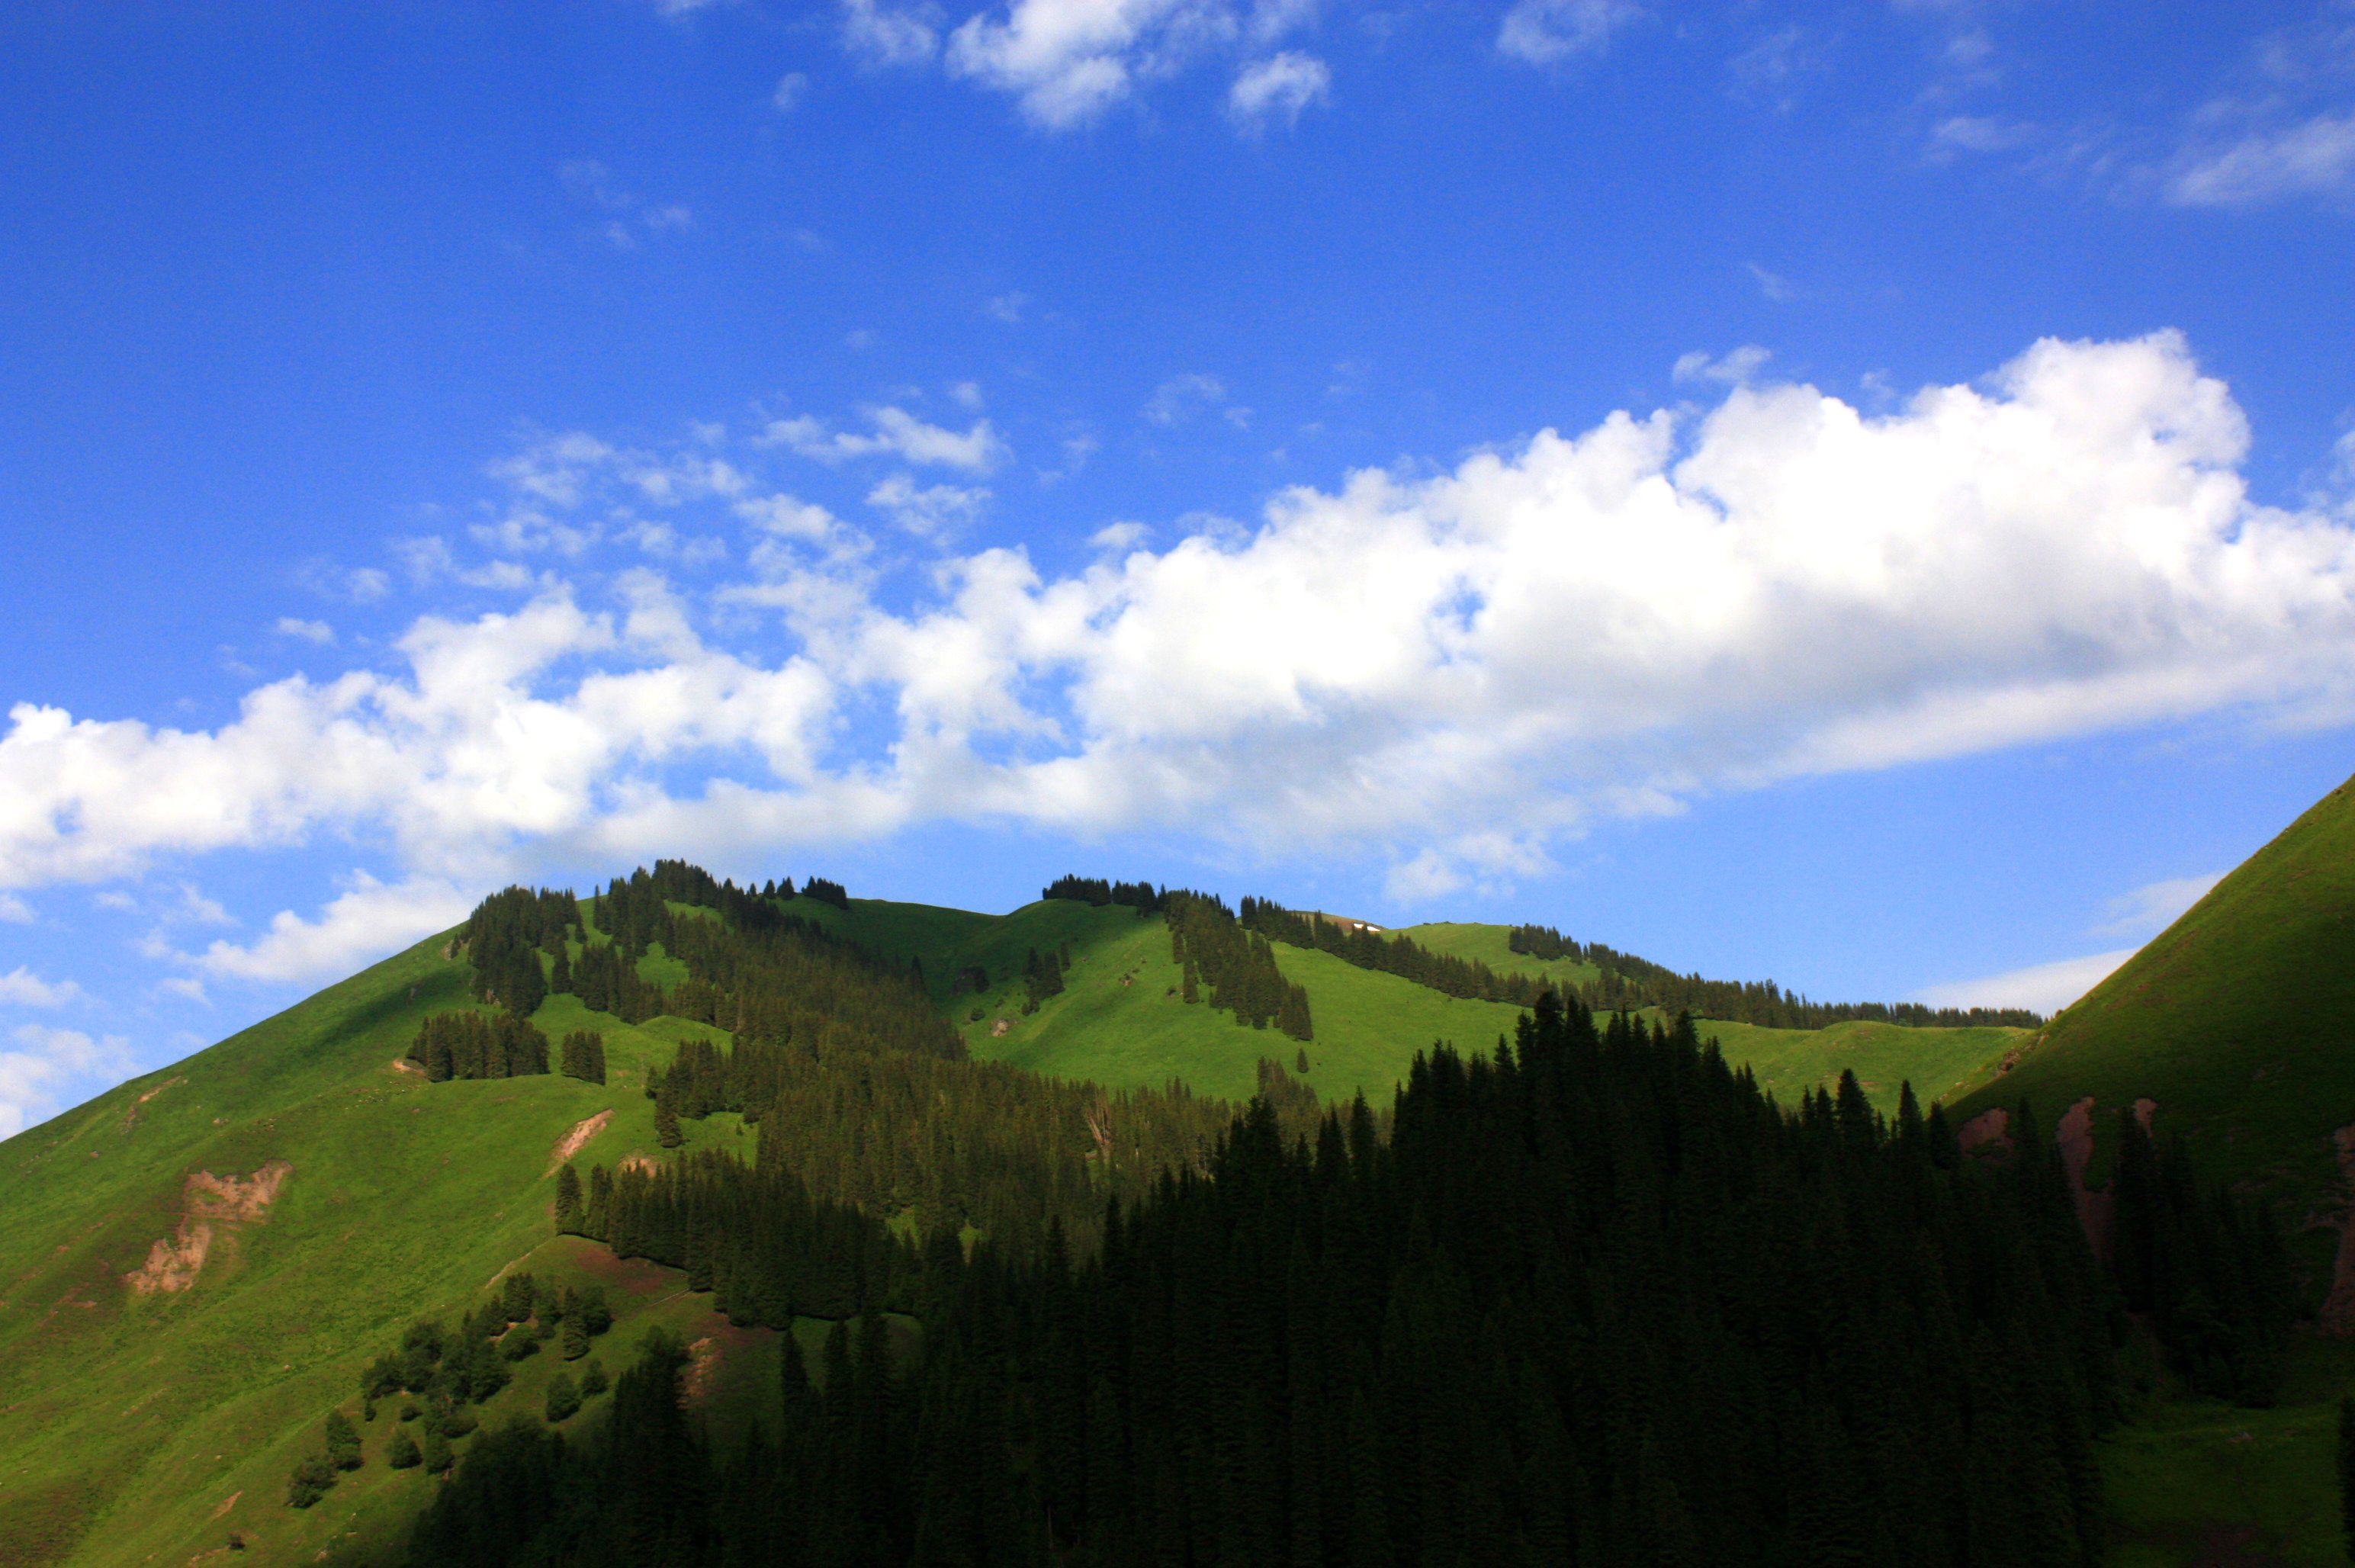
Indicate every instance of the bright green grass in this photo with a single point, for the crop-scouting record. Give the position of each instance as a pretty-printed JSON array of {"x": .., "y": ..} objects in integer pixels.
[
  {"x": 1487, "y": 944},
  {"x": 2233, "y": 1019},
  {"x": 1883, "y": 1057},
  {"x": 128, "y": 1421}
]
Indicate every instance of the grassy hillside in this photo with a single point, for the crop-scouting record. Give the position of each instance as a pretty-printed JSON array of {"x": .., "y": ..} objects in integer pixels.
[
  {"x": 2233, "y": 1019},
  {"x": 148, "y": 1429},
  {"x": 1487, "y": 944}
]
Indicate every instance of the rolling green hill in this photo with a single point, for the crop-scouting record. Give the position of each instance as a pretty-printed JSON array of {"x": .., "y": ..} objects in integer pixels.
[
  {"x": 2233, "y": 1019},
  {"x": 150, "y": 1427}
]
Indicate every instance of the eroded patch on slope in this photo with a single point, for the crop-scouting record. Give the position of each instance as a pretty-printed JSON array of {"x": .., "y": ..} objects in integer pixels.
[
  {"x": 571, "y": 1142},
  {"x": 205, "y": 1201}
]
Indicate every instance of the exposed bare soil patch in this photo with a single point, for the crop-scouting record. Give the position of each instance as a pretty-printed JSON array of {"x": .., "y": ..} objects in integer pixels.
[
  {"x": 1986, "y": 1127},
  {"x": 207, "y": 1201},
  {"x": 570, "y": 1143}
]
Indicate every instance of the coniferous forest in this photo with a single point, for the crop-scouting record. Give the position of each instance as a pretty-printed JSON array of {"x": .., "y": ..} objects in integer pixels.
[{"x": 1593, "y": 1297}]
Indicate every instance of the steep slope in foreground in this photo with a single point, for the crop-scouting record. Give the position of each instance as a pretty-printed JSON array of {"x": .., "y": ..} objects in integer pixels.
[
  {"x": 2236, "y": 1019},
  {"x": 147, "y": 1428}
]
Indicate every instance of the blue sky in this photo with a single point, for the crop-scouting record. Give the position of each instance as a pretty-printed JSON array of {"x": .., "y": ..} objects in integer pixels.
[{"x": 1859, "y": 495}]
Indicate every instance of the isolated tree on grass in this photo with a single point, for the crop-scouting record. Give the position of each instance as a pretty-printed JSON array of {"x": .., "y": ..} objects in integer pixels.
[
  {"x": 563, "y": 1398},
  {"x": 309, "y": 1481},
  {"x": 437, "y": 1453},
  {"x": 576, "y": 1338},
  {"x": 592, "y": 1379},
  {"x": 343, "y": 1442},
  {"x": 400, "y": 1453}
]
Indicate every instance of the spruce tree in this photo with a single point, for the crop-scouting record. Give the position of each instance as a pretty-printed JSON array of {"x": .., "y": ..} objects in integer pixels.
[
  {"x": 567, "y": 1201},
  {"x": 563, "y": 1398},
  {"x": 576, "y": 1338},
  {"x": 437, "y": 1451},
  {"x": 667, "y": 1131},
  {"x": 592, "y": 1379},
  {"x": 401, "y": 1450}
]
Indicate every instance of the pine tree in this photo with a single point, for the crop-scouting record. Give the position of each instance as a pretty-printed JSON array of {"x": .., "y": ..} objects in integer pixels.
[
  {"x": 576, "y": 1338},
  {"x": 401, "y": 1450},
  {"x": 567, "y": 1201},
  {"x": 592, "y": 1379},
  {"x": 563, "y": 1398},
  {"x": 437, "y": 1455},
  {"x": 309, "y": 1481},
  {"x": 667, "y": 1131}
]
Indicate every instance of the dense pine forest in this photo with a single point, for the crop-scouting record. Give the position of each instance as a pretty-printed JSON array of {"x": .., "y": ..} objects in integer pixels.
[{"x": 1594, "y": 1297}]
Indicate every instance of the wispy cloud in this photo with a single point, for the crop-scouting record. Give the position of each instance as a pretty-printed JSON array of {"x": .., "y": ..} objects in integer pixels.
[
  {"x": 1555, "y": 32},
  {"x": 1278, "y": 88}
]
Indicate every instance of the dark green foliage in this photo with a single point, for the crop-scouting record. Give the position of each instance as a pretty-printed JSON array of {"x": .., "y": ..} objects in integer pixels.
[
  {"x": 593, "y": 1377},
  {"x": 519, "y": 1342},
  {"x": 583, "y": 1054},
  {"x": 2208, "y": 1268},
  {"x": 1596, "y": 1301},
  {"x": 1236, "y": 963},
  {"x": 667, "y": 1131},
  {"x": 312, "y": 1477},
  {"x": 951, "y": 1141},
  {"x": 825, "y": 891},
  {"x": 569, "y": 1213},
  {"x": 1138, "y": 896},
  {"x": 517, "y": 1293},
  {"x": 590, "y": 1309},
  {"x": 436, "y": 1455},
  {"x": 401, "y": 1452},
  {"x": 343, "y": 1442},
  {"x": 469, "y": 1045},
  {"x": 1629, "y": 981},
  {"x": 576, "y": 1339},
  {"x": 1042, "y": 978},
  {"x": 2347, "y": 1473},
  {"x": 563, "y": 1398},
  {"x": 504, "y": 938}
]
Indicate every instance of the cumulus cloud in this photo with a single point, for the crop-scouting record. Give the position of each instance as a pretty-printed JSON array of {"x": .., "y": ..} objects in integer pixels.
[
  {"x": 1606, "y": 621},
  {"x": 367, "y": 922},
  {"x": 1066, "y": 62},
  {"x": 931, "y": 510},
  {"x": 14, "y": 910},
  {"x": 36, "y": 1075},
  {"x": 21, "y": 987},
  {"x": 1278, "y": 88},
  {"x": 881, "y": 34},
  {"x": 317, "y": 631},
  {"x": 1553, "y": 32}
]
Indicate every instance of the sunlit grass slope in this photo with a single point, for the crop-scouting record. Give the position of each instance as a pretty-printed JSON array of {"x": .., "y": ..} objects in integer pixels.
[
  {"x": 1489, "y": 944},
  {"x": 135, "y": 1428},
  {"x": 2233, "y": 1019},
  {"x": 1120, "y": 1020}
]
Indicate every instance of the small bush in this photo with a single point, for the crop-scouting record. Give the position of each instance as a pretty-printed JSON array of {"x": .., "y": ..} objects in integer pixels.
[
  {"x": 309, "y": 1481},
  {"x": 437, "y": 1453},
  {"x": 593, "y": 1380},
  {"x": 520, "y": 1342},
  {"x": 401, "y": 1452},
  {"x": 563, "y": 1399},
  {"x": 342, "y": 1443}
]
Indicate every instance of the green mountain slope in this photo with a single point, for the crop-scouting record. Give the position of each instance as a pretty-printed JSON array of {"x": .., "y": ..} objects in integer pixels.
[
  {"x": 150, "y": 1427},
  {"x": 147, "y": 1428},
  {"x": 2234, "y": 1019}
]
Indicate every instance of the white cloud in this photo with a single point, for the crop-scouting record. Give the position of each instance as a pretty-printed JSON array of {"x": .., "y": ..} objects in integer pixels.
[
  {"x": 14, "y": 910},
  {"x": 966, "y": 394},
  {"x": 1979, "y": 134},
  {"x": 33, "y": 1077},
  {"x": 1550, "y": 32},
  {"x": 317, "y": 631},
  {"x": 21, "y": 987},
  {"x": 896, "y": 433},
  {"x": 1773, "y": 285},
  {"x": 1180, "y": 397},
  {"x": 929, "y": 510},
  {"x": 187, "y": 987},
  {"x": 1607, "y": 621},
  {"x": 1733, "y": 369},
  {"x": 2154, "y": 907},
  {"x": 2043, "y": 987},
  {"x": 371, "y": 921},
  {"x": 1066, "y": 62},
  {"x": 1278, "y": 87},
  {"x": 1119, "y": 535},
  {"x": 791, "y": 89},
  {"x": 882, "y": 34},
  {"x": 2312, "y": 157}
]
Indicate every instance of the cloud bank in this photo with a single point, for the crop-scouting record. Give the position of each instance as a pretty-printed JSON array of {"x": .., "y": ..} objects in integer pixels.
[{"x": 1445, "y": 670}]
